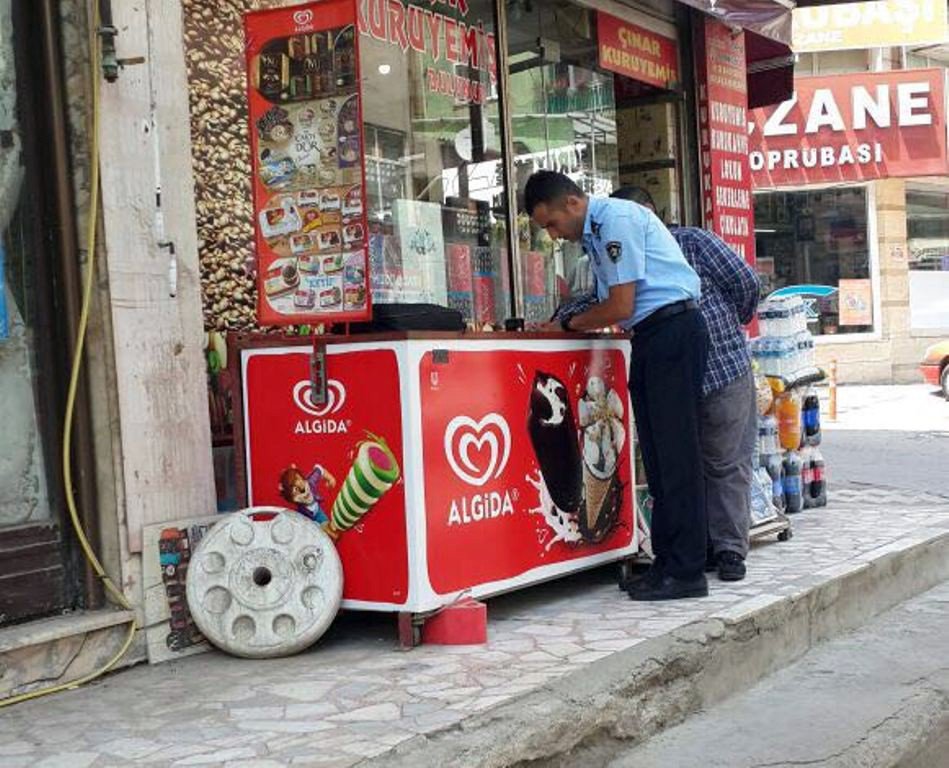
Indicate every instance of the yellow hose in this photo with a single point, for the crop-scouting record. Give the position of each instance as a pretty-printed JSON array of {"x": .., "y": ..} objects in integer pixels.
[{"x": 87, "y": 551}]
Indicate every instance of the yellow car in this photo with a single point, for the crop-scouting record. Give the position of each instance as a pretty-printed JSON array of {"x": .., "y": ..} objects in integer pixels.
[{"x": 935, "y": 366}]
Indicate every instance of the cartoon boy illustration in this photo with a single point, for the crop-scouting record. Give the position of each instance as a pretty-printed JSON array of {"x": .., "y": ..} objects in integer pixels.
[{"x": 304, "y": 491}]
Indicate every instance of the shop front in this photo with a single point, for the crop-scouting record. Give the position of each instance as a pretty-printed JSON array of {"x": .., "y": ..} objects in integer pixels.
[
  {"x": 272, "y": 228},
  {"x": 388, "y": 155},
  {"x": 848, "y": 177}
]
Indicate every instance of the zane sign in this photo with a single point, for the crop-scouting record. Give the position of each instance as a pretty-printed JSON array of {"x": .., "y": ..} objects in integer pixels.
[{"x": 852, "y": 128}]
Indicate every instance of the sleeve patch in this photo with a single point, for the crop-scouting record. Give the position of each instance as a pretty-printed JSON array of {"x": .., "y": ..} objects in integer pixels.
[{"x": 614, "y": 250}]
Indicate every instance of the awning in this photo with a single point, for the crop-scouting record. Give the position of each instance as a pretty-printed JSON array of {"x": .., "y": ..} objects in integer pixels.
[
  {"x": 770, "y": 70},
  {"x": 767, "y": 25},
  {"x": 767, "y": 18}
]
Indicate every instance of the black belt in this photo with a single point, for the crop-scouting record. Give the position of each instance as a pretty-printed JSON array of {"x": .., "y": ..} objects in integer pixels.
[{"x": 663, "y": 313}]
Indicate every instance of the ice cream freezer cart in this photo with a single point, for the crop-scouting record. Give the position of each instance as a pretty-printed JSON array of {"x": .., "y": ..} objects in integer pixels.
[{"x": 443, "y": 464}]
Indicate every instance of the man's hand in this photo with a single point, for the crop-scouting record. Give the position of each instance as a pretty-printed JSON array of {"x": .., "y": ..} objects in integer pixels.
[
  {"x": 616, "y": 308},
  {"x": 553, "y": 326}
]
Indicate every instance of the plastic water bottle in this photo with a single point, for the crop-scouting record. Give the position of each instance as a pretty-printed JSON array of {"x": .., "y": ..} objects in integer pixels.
[
  {"x": 775, "y": 467},
  {"x": 764, "y": 362},
  {"x": 818, "y": 487},
  {"x": 810, "y": 418},
  {"x": 768, "y": 435},
  {"x": 793, "y": 483},
  {"x": 780, "y": 356},
  {"x": 798, "y": 314}
]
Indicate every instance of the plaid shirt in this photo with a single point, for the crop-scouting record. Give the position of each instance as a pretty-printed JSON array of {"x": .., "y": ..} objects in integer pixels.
[{"x": 729, "y": 298}]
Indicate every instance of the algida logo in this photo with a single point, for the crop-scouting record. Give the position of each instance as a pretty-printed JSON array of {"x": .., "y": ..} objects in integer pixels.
[{"x": 478, "y": 452}]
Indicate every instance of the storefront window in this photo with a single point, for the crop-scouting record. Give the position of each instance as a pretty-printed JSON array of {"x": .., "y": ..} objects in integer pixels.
[
  {"x": 433, "y": 162},
  {"x": 814, "y": 243},
  {"x": 927, "y": 232},
  {"x": 24, "y": 496},
  {"x": 600, "y": 128}
]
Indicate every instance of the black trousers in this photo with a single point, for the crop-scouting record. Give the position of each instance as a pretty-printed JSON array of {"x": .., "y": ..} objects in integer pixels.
[{"x": 665, "y": 382}]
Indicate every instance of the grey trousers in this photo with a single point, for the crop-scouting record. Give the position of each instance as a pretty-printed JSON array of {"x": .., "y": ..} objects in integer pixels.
[{"x": 729, "y": 428}]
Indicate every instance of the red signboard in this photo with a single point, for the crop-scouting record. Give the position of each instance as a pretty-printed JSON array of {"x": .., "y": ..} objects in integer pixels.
[
  {"x": 723, "y": 137},
  {"x": 459, "y": 50},
  {"x": 632, "y": 51},
  {"x": 527, "y": 461},
  {"x": 338, "y": 462},
  {"x": 836, "y": 128},
  {"x": 307, "y": 163}
]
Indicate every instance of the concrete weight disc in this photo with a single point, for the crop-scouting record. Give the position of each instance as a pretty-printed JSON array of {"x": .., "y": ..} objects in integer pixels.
[{"x": 264, "y": 582}]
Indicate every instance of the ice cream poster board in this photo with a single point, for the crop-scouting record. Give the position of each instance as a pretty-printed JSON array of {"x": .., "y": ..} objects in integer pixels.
[
  {"x": 339, "y": 463},
  {"x": 527, "y": 460},
  {"x": 307, "y": 160}
]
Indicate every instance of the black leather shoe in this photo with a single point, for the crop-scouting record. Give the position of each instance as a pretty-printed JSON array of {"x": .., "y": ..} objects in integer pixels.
[
  {"x": 731, "y": 566},
  {"x": 668, "y": 588}
]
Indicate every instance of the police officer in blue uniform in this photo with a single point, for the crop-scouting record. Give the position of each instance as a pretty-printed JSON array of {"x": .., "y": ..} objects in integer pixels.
[{"x": 645, "y": 285}]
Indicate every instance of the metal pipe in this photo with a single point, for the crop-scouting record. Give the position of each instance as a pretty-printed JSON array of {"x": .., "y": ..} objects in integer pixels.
[
  {"x": 107, "y": 32},
  {"x": 67, "y": 250},
  {"x": 506, "y": 120},
  {"x": 832, "y": 391}
]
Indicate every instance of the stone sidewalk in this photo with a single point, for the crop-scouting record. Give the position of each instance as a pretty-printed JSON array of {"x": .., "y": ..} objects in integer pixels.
[{"x": 355, "y": 696}]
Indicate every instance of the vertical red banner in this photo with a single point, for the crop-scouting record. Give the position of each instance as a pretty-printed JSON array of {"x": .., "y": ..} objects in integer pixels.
[
  {"x": 728, "y": 208},
  {"x": 307, "y": 160}
]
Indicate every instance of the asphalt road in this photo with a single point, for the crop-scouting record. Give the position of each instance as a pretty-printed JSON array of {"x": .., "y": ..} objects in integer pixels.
[
  {"x": 913, "y": 461},
  {"x": 892, "y": 437}
]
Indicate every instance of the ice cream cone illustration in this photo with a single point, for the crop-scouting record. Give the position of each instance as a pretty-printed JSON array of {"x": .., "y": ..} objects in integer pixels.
[
  {"x": 374, "y": 471},
  {"x": 603, "y": 437}
]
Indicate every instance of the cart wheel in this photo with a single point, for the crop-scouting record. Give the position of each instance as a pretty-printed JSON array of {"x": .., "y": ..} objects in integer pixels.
[
  {"x": 624, "y": 572},
  {"x": 785, "y": 535}
]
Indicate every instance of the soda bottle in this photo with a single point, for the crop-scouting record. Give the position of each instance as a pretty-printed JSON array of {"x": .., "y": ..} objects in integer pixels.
[
  {"x": 807, "y": 476},
  {"x": 818, "y": 490},
  {"x": 775, "y": 467},
  {"x": 810, "y": 418},
  {"x": 793, "y": 491},
  {"x": 788, "y": 409}
]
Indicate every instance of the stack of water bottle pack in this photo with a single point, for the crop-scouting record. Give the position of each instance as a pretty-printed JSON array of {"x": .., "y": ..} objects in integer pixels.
[
  {"x": 789, "y": 433},
  {"x": 785, "y": 348}
]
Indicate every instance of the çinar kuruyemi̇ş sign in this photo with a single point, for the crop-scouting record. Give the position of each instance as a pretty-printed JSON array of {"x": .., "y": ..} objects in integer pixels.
[{"x": 310, "y": 220}]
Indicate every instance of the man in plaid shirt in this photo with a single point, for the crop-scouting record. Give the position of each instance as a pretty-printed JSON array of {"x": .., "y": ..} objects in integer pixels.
[
  {"x": 729, "y": 416},
  {"x": 728, "y": 412}
]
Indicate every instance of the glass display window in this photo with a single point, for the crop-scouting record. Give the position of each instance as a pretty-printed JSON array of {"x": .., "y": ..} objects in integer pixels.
[
  {"x": 927, "y": 233},
  {"x": 434, "y": 173},
  {"x": 814, "y": 243},
  {"x": 600, "y": 128}
]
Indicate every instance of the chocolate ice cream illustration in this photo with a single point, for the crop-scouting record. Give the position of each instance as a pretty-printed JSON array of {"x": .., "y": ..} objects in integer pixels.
[{"x": 553, "y": 433}]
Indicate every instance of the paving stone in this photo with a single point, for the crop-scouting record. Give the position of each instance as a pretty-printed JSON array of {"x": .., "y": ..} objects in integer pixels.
[
  {"x": 377, "y": 712},
  {"x": 356, "y": 695}
]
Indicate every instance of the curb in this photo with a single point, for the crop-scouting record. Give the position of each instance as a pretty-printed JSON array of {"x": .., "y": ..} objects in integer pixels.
[{"x": 634, "y": 694}]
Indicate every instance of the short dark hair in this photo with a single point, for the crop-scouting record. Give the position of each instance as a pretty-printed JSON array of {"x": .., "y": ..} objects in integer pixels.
[
  {"x": 547, "y": 187},
  {"x": 637, "y": 195}
]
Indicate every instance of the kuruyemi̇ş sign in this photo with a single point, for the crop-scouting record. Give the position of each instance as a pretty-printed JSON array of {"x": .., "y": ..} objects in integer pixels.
[{"x": 852, "y": 128}]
